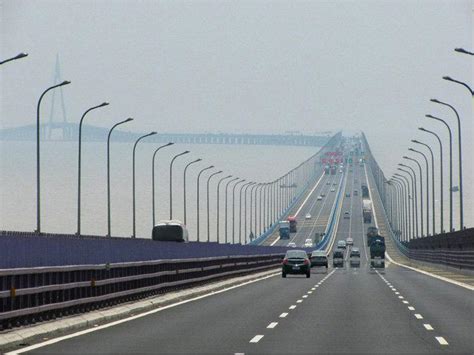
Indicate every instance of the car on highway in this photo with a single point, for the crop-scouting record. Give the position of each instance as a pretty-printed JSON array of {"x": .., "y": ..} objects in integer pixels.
[
  {"x": 333, "y": 189},
  {"x": 354, "y": 257},
  {"x": 348, "y": 194},
  {"x": 308, "y": 216},
  {"x": 349, "y": 241},
  {"x": 341, "y": 244},
  {"x": 347, "y": 215},
  {"x": 170, "y": 231},
  {"x": 356, "y": 193},
  {"x": 323, "y": 195},
  {"x": 340, "y": 170},
  {"x": 296, "y": 262},
  {"x": 337, "y": 258},
  {"x": 328, "y": 183},
  {"x": 319, "y": 258},
  {"x": 308, "y": 243},
  {"x": 292, "y": 245},
  {"x": 334, "y": 183}
]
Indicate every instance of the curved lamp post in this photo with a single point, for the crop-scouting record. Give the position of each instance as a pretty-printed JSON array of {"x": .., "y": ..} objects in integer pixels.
[
  {"x": 38, "y": 173},
  {"x": 218, "y": 205},
  {"x": 432, "y": 183},
  {"x": 184, "y": 185},
  {"x": 153, "y": 179},
  {"x": 462, "y": 50},
  {"x": 441, "y": 175},
  {"x": 226, "y": 191},
  {"x": 245, "y": 210},
  {"x": 133, "y": 180},
  {"x": 18, "y": 56},
  {"x": 79, "y": 166},
  {"x": 109, "y": 219},
  {"x": 242, "y": 188},
  {"x": 233, "y": 209},
  {"x": 427, "y": 188},
  {"x": 415, "y": 195},
  {"x": 461, "y": 209},
  {"x": 448, "y": 78},
  {"x": 207, "y": 202},
  {"x": 197, "y": 197},
  {"x": 171, "y": 180},
  {"x": 410, "y": 216},
  {"x": 450, "y": 169},
  {"x": 421, "y": 192}
]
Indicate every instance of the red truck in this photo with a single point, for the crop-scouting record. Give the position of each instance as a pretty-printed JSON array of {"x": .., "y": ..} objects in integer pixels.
[{"x": 292, "y": 220}]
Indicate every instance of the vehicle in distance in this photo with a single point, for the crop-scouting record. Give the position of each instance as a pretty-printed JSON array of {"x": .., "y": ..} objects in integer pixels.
[
  {"x": 348, "y": 194},
  {"x": 367, "y": 211},
  {"x": 323, "y": 195},
  {"x": 284, "y": 229},
  {"x": 292, "y": 220},
  {"x": 333, "y": 189},
  {"x": 372, "y": 232},
  {"x": 377, "y": 252},
  {"x": 319, "y": 258},
  {"x": 347, "y": 215},
  {"x": 354, "y": 257},
  {"x": 338, "y": 258},
  {"x": 308, "y": 243},
  {"x": 341, "y": 244},
  {"x": 320, "y": 197},
  {"x": 296, "y": 262},
  {"x": 349, "y": 241},
  {"x": 292, "y": 245},
  {"x": 356, "y": 193},
  {"x": 334, "y": 183},
  {"x": 308, "y": 216},
  {"x": 170, "y": 231},
  {"x": 328, "y": 183},
  {"x": 365, "y": 191}
]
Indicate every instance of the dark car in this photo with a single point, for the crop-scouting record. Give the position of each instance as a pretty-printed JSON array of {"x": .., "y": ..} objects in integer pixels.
[
  {"x": 296, "y": 262},
  {"x": 338, "y": 258},
  {"x": 319, "y": 258}
]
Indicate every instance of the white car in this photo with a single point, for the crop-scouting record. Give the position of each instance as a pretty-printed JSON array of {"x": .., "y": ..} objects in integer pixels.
[
  {"x": 333, "y": 189},
  {"x": 341, "y": 244},
  {"x": 308, "y": 216},
  {"x": 349, "y": 241},
  {"x": 319, "y": 198},
  {"x": 308, "y": 243},
  {"x": 292, "y": 245}
]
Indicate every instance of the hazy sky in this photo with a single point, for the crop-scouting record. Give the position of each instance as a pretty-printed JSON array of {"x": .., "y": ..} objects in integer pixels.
[{"x": 245, "y": 66}]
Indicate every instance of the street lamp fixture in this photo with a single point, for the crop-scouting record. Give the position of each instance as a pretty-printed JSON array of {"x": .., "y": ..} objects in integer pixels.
[
  {"x": 448, "y": 78},
  {"x": 462, "y": 50},
  {"x": 171, "y": 180},
  {"x": 79, "y": 166},
  {"x": 18, "y": 56},
  {"x": 153, "y": 179}
]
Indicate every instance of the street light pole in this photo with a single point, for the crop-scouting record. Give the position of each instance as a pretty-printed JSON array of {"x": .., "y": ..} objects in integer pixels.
[
  {"x": 450, "y": 169},
  {"x": 226, "y": 191},
  {"x": 461, "y": 209},
  {"x": 171, "y": 180},
  {"x": 240, "y": 209},
  {"x": 38, "y": 173},
  {"x": 252, "y": 226},
  {"x": 462, "y": 50},
  {"x": 79, "y": 166},
  {"x": 245, "y": 210},
  {"x": 207, "y": 203},
  {"x": 427, "y": 189},
  {"x": 432, "y": 183},
  {"x": 18, "y": 56},
  {"x": 109, "y": 219},
  {"x": 415, "y": 195},
  {"x": 184, "y": 185},
  {"x": 197, "y": 198},
  {"x": 218, "y": 203},
  {"x": 441, "y": 191},
  {"x": 233, "y": 209},
  {"x": 448, "y": 78},
  {"x": 404, "y": 206},
  {"x": 409, "y": 212},
  {"x": 133, "y": 179},
  {"x": 153, "y": 180},
  {"x": 421, "y": 192}
]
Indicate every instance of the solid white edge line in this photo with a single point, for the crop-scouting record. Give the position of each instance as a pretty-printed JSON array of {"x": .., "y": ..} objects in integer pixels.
[
  {"x": 302, "y": 204},
  {"x": 86, "y": 331},
  {"x": 442, "y": 278},
  {"x": 442, "y": 341},
  {"x": 256, "y": 339}
]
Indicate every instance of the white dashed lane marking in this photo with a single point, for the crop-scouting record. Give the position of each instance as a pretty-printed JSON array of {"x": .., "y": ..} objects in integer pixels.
[
  {"x": 272, "y": 325},
  {"x": 256, "y": 339},
  {"x": 428, "y": 326},
  {"x": 293, "y": 306},
  {"x": 418, "y": 316},
  {"x": 441, "y": 340},
  {"x": 411, "y": 308},
  {"x": 305, "y": 296},
  {"x": 299, "y": 301},
  {"x": 283, "y": 315}
]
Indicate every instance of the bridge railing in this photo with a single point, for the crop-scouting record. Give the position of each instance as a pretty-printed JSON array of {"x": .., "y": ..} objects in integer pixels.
[{"x": 29, "y": 295}]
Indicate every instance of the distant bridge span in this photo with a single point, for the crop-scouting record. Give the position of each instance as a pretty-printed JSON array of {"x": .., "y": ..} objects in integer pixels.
[{"x": 64, "y": 131}]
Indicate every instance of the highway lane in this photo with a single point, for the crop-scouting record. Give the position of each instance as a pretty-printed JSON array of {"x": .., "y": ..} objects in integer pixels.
[
  {"x": 351, "y": 310},
  {"x": 319, "y": 211}
]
